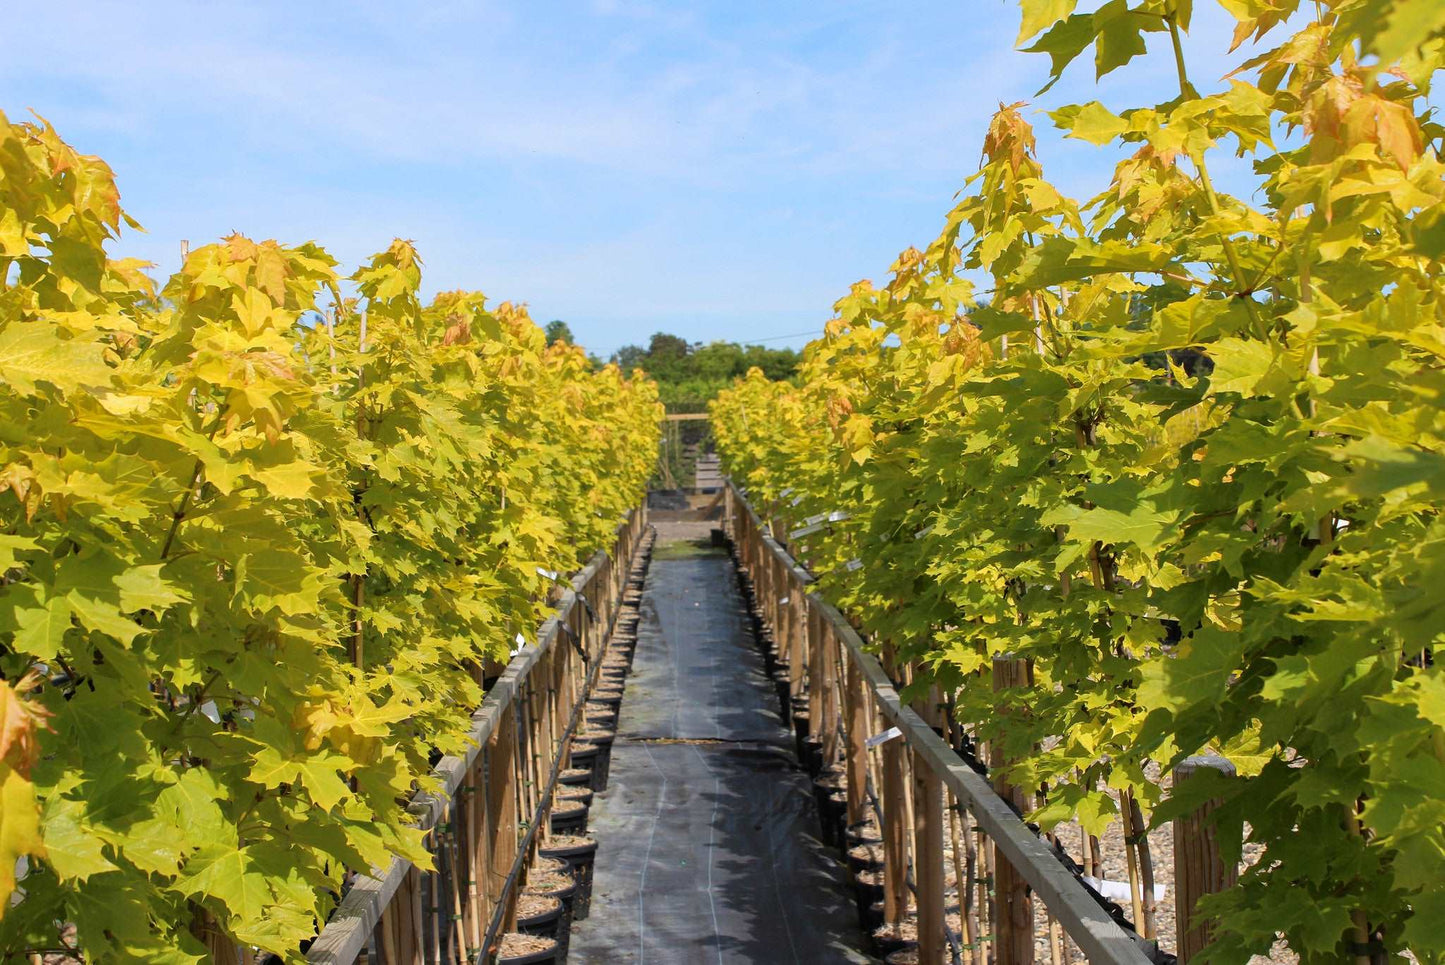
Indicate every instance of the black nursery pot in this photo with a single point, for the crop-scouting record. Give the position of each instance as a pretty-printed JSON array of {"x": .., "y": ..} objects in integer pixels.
[
  {"x": 583, "y": 794},
  {"x": 584, "y": 755},
  {"x": 577, "y": 780},
  {"x": 785, "y": 690},
  {"x": 834, "y": 816},
  {"x": 868, "y": 892},
  {"x": 601, "y": 757},
  {"x": 571, "y": 822},
  {"x": 545, "y": 957},
  {"x": 544, "y": 925},
  {"x": 887, "y": 946},
  {"x": 812, "y": 756},
  {"x": 581, "y": 860},
  {"x": 857, "y": 864}
]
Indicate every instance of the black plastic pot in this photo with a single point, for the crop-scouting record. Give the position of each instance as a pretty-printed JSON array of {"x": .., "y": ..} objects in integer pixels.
[
  {"x": 568, "y": 897},
  {"x": 863, "y": 833},
  {"x": 868, "y": 892},
  {"x": 577, "y": 780},
  {"x": 785, "y": 690},
  {"x": 544, "y": 925},
  {"x": 581, "y": 859},
  {"x": 834, "y": 816},
  {"x": 583, "y": 794},
  {"x": 858, "y": 864},
  {"x": 812, "y": 755},
  {"x": 897, "y": 956},
  {"x": 887, "y": 946},
  {"x": 536, "y": 958},
  {"x": 583, "y": 755},
  {"x": 571, "y": 822},
  {"x": 601, "y": 758}
]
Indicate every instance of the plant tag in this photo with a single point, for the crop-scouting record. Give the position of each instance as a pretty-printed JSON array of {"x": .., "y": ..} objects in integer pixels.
[
  {"x": 805, "y": 531},
  {"x": 923, "y": 532},
  {"x": 878, "y": 740},
  {"x": 797, "y": 500},
  {"x": 785, "y": 492},
  {"x": 1117, "y": 890},
  {"x": 815, "y": 520},
  {"x": 783, "y": 600},
  {"x": 853, "y": 565},
  {"x": 837, "y": 516},
  {"x": 549, "y": 574}
]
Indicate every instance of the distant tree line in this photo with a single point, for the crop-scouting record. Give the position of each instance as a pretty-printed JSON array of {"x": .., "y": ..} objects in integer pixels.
[{"x": 691, "y": 373}]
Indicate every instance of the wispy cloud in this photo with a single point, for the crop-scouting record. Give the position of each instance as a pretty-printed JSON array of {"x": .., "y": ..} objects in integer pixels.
[{"x": 626, "y": 165}]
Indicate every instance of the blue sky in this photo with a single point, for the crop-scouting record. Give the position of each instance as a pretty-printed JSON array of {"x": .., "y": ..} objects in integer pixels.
[{"x": 717, "y": 170}]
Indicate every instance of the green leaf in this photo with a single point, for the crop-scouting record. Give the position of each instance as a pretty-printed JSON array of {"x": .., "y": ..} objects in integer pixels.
[
  {"x": 1063, "y": 42},
  {"x": 1120, "y": 36},
  {"x": 34, "y": 352},
  {"x": 40, "y": 627},
  {"x": 1092, "y": 122},
  {"x": 1239, "y": 365},
  {"x": 227, "y": 874},
  {"x": 143, "y": 588},
  {"x": 72, "y": 848},
  {"x": 1042, "y": 14}
]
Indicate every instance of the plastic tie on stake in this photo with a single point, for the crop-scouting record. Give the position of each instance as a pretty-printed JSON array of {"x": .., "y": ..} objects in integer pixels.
[
  {"x": 783, "y": 600},
  {"x": 878, "y": 740}
]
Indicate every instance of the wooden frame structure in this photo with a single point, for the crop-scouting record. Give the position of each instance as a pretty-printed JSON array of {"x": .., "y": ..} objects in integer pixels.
[
  {"x": 851, "y": 696},
  {"x": 491, "y": 810}
]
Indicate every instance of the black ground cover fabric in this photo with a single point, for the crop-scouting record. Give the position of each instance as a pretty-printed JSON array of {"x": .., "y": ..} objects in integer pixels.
[{"x": 708, "y": 835}]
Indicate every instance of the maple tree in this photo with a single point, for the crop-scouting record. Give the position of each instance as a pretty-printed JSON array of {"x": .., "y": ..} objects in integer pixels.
[
  {"x": 1181, "y": 451},
  {"x": 257, "y": 539}
]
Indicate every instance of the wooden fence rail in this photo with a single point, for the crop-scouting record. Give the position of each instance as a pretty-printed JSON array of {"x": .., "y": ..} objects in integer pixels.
[
  {"x": 850, "y": 696},
  {"x": 479, "y": 822}
]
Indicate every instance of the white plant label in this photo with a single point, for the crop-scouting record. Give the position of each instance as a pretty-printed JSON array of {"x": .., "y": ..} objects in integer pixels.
[{"x": 878, "y": 740}]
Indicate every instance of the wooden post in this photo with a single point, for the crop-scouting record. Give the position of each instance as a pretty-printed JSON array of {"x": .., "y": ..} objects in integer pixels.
[
  {"x": 856, "y": 709},
  {"x": 501, "y": 807},
  {"x": 826, "y": 727},
  {"x": 1198, "y": 867},
  {"x": 1014, "y": 928},
  {"x": 817, "y": 683},
  {"x": 895, "y": 831},
  {"x": 928, "y": 853},
  {"x": 480, "y": 850}
]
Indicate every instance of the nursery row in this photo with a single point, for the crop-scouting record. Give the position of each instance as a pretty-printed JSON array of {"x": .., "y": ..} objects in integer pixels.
[
  {"x": 262, "y": 530},
  {"x": 1175, "y": 456}
]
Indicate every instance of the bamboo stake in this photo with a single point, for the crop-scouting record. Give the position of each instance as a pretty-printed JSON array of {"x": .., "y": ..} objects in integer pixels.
[
  {"x": 1131, "y": 859},
  {"x": 1146, "y": 866},
  {"x": 962, "y": 871}
]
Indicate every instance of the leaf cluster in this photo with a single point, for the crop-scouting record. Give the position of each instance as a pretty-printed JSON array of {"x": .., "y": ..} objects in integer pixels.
[
  {"x": 1187, "y": 459},
  {"x": 259, "y": 543}
]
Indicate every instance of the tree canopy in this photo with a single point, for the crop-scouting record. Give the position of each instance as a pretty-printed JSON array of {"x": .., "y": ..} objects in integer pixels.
[{"x": 689, "y": 374}]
